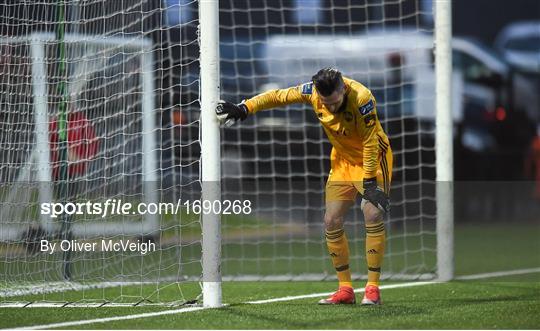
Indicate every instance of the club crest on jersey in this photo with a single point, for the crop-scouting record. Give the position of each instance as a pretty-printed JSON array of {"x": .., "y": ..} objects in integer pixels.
[
  {"x": 369, "y": 120},
  {"x": 307, "y": 88},
  {"x": 367, "y": 108}
]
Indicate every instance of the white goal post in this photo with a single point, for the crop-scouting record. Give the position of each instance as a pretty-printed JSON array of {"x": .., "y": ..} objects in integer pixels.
[
  {"x": 210, "y": 151},
  {"x": 147, "y": 76},
  {"x": 444, "y": 141}
]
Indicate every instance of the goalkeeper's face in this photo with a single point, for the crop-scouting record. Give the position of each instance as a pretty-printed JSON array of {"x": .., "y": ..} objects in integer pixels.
[{"x": 334, "y": 101}]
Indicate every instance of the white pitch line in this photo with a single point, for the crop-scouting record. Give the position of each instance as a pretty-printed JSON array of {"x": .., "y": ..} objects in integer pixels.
[
  {"x": 317, "y": 295},
  {"x": 289, "y": 298},
  {"x": 100, "y": 304},
  {"x": 499, "y": 274},
  {"x": 45, "y": 304},
  {"x": 190, "y": 309},
  {"x": 62, "y": 286},
  {"x": 108, "y": 319}
]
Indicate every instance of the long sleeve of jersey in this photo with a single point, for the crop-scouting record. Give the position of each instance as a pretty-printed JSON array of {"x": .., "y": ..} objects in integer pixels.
[
  {"x": 368, "y": 126},
  {"x": 276, "y": 98}
]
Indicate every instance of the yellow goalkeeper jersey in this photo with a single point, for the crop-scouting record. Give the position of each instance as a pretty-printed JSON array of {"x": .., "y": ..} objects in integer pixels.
[{"x": 354, "y": 132}]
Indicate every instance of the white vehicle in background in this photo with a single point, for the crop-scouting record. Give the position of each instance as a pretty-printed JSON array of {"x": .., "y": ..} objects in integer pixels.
[
  {"x": 482, "y": 69},
  {"x": 519, "y": 43},
  {"x": 384, "y": 62},
  {"x": 401, "y": 61}
]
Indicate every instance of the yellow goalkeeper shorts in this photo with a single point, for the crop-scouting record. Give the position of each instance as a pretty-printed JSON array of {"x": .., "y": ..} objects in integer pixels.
[{"x": 346, "y": 179}]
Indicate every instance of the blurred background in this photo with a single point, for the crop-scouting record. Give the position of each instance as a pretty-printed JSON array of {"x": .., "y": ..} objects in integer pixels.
[
  {"x": 387, "y": 45},
  {"x": 496, "y": 52}
]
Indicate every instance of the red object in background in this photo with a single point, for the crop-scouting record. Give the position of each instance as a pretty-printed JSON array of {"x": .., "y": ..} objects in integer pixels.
[
  {"x": 532, "y": 163},
  {"x": 179, "y": 118},
  {"x": 536, "y": 161},
  {"x": 500, "y": 113},
  {"x": 82, "y": 144}
]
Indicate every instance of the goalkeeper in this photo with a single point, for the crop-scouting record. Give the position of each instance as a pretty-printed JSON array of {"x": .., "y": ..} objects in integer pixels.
[{"x": 361, "y": 161}]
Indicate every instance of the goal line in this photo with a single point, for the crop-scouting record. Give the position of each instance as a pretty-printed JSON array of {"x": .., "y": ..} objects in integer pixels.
[
  {"x": 55, "y": 287},
  {"x": 256, "y": 302},
  {"x": 23, "y": 304}
]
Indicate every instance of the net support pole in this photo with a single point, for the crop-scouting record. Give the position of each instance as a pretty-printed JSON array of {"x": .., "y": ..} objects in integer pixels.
[
  {"x": 210, "y": 150},
  {"x": 41, "y": 129},
  {"x": 150, "y": 226},
  {"x": 444, "y": 137}
]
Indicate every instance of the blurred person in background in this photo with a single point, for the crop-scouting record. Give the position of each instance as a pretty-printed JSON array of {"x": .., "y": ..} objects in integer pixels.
[{"x": 82, "y": 144}]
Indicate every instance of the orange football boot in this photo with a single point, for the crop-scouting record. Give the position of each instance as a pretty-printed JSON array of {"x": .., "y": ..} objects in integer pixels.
[
  {"x": 372, "y": 296},
  {"x": 344, "y": 295}
]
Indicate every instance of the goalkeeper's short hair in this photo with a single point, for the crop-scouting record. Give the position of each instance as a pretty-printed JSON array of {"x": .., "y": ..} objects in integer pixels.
[{"x": 327, "y": 80}]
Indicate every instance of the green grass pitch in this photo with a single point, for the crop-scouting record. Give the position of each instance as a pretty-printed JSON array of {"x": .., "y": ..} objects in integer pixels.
[
  {"x": 510, "y": 302},
  {"x": 455, "y": 305}
]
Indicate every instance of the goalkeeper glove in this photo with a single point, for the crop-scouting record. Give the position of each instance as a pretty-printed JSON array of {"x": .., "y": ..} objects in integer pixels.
[
  {"x": 375, "y": 195},
  {"x": 228, "y": 113}
]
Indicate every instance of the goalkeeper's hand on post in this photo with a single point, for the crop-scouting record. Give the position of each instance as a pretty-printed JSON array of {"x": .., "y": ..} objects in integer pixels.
[
  {"x": 376, "y": 195},
  {"x": 228, "y": 113}
]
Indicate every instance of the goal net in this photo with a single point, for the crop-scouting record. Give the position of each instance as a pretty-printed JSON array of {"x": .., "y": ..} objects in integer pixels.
[
  {"x": 109, "y": 110},
  {"x": 280, "y": 158},
  {"x": 87, "y": 117}
]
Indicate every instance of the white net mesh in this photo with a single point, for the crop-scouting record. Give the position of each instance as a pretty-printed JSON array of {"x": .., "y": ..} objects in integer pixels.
[
  {"x": 280, "y": 158},
  {"x": 132, "y": 87},
  {"x": 106, "y": 78}
]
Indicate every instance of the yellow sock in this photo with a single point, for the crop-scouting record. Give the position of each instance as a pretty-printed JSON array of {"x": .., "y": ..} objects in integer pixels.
[
  {"x": 375, "y": 241},
  {"x": 338, "y": 247}
]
